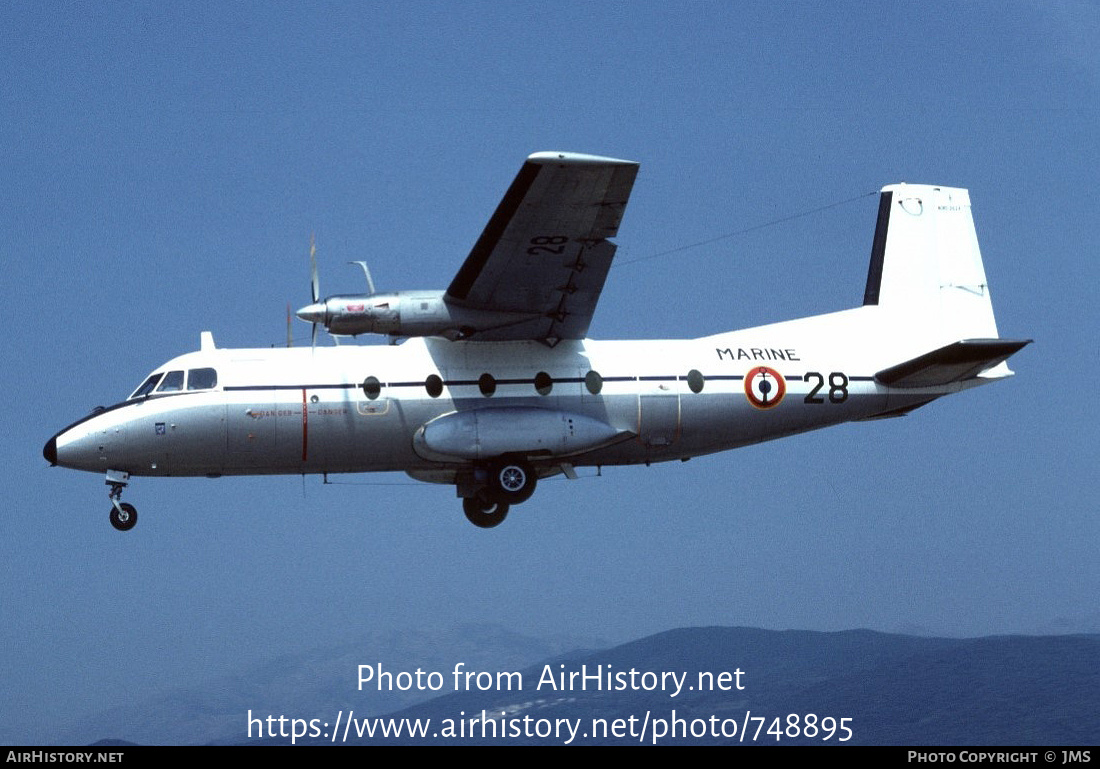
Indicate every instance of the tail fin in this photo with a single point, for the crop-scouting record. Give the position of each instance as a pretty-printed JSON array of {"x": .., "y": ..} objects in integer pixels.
[
  {"x": 925, "y": 262},
  {"x": 926, "y": 271}
]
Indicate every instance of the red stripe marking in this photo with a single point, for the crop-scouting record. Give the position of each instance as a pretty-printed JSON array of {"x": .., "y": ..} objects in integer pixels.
[{"x": 305, "y": 426}]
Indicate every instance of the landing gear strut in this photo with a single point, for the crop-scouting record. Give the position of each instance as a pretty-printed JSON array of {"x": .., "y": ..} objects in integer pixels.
[{"x": 123, "y": 514}]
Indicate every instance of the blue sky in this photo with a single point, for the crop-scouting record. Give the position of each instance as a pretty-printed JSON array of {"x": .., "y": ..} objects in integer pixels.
[{"x": 164, "y": 167}]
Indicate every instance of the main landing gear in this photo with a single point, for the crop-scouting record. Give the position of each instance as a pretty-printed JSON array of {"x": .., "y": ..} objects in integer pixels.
[
  {"x": 123, "y": 514},
  {"x": 484, "y": 513},
  {"x": 508, "y": 482}
]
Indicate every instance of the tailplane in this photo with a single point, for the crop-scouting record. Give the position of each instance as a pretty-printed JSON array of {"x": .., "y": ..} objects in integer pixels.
[{"x": 956, "y": 362}]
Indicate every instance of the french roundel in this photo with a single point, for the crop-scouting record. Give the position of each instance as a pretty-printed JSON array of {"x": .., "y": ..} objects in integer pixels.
[{"x": 765, "y": 387}]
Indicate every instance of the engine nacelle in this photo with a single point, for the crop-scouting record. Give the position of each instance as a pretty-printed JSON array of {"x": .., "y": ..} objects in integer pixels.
[{"x": 400, "y": 313}]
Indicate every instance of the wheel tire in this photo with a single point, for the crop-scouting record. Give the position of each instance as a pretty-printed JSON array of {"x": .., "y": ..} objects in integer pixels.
[
  {"x": 483, "y": 513},
  {"x": 513, "y": 482},
  {"x": 125, "y": 520}
]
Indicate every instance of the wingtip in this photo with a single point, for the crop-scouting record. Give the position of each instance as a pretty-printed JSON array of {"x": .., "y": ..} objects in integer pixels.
[{"x": 576, "y": 158}]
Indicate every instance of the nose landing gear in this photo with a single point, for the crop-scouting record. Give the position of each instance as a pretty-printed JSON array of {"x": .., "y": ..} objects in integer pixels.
[{"x": 123, "y": 514}]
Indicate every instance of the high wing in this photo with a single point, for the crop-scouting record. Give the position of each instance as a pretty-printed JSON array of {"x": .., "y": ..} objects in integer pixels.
[{"x": 544, "y": 254}]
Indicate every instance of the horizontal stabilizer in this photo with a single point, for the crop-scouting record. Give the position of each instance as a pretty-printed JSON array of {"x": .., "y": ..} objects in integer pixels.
[{"x": 953, "y": 363}]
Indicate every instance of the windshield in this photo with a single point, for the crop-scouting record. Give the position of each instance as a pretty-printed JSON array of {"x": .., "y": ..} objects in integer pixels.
[{"x": 148, "y": 385}]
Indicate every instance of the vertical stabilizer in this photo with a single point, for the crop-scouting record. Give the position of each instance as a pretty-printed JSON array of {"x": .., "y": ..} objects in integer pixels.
[{"x": 926, "y": 269}]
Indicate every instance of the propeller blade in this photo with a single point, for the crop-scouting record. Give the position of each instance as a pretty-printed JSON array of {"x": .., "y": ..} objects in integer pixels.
[
  {"x": 314, "y": 282},
  {"x": 314, "y": 285},
  {"x": 289, "y": 341}
]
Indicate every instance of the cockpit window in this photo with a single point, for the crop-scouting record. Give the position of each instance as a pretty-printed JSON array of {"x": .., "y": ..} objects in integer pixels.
[
  {"x": 147, "y": 386},
  {"x": 173, "y": 382},
  {"x": 201, "y": 379}
]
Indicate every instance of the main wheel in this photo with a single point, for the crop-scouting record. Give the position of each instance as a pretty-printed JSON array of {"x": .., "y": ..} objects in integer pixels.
[
  {"x": 513, "y": 481},
  {"x": 126, "y": 519},
  {"x": 483, "y": 513}
]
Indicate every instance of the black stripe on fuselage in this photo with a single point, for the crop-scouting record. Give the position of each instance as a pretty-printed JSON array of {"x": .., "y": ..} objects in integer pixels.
[
  {"x": 345, "y": 386},
  {"x": 520, "y": 381}
]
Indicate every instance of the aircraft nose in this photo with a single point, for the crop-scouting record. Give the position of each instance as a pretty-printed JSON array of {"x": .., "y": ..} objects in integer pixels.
[
  {"x": 49, "y": 451},
  {"x": 312, "y": 313}
]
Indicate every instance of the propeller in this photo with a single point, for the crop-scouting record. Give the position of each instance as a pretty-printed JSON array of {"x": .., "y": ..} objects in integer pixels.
[{"x": 314, "y": 312}]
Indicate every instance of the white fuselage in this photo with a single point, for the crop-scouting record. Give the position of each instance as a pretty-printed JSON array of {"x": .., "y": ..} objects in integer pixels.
[{"x": 364, "y": 408}]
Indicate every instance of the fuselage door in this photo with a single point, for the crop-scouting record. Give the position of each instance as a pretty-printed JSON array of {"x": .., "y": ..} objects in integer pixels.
[{"x": 659, "y": 419}]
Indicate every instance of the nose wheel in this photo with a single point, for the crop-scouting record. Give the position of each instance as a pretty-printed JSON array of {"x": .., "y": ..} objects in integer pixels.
[{"x": 123, "y": 514}]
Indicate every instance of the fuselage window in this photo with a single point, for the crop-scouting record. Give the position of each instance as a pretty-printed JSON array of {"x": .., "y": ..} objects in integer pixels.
[
  {"x": 173, "y": 382},
  {"x": 372, "y": 388},
  {"x": 594, "y": 382},
  {"x": 202, "y": 379},
  {"x": 695, "y": 380},
  {"x": 543, "y": 383},
  {"x": 487, "y": 384},
  {"x": 434, "y": 385},
  {"x": 147, "y": 386}
]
